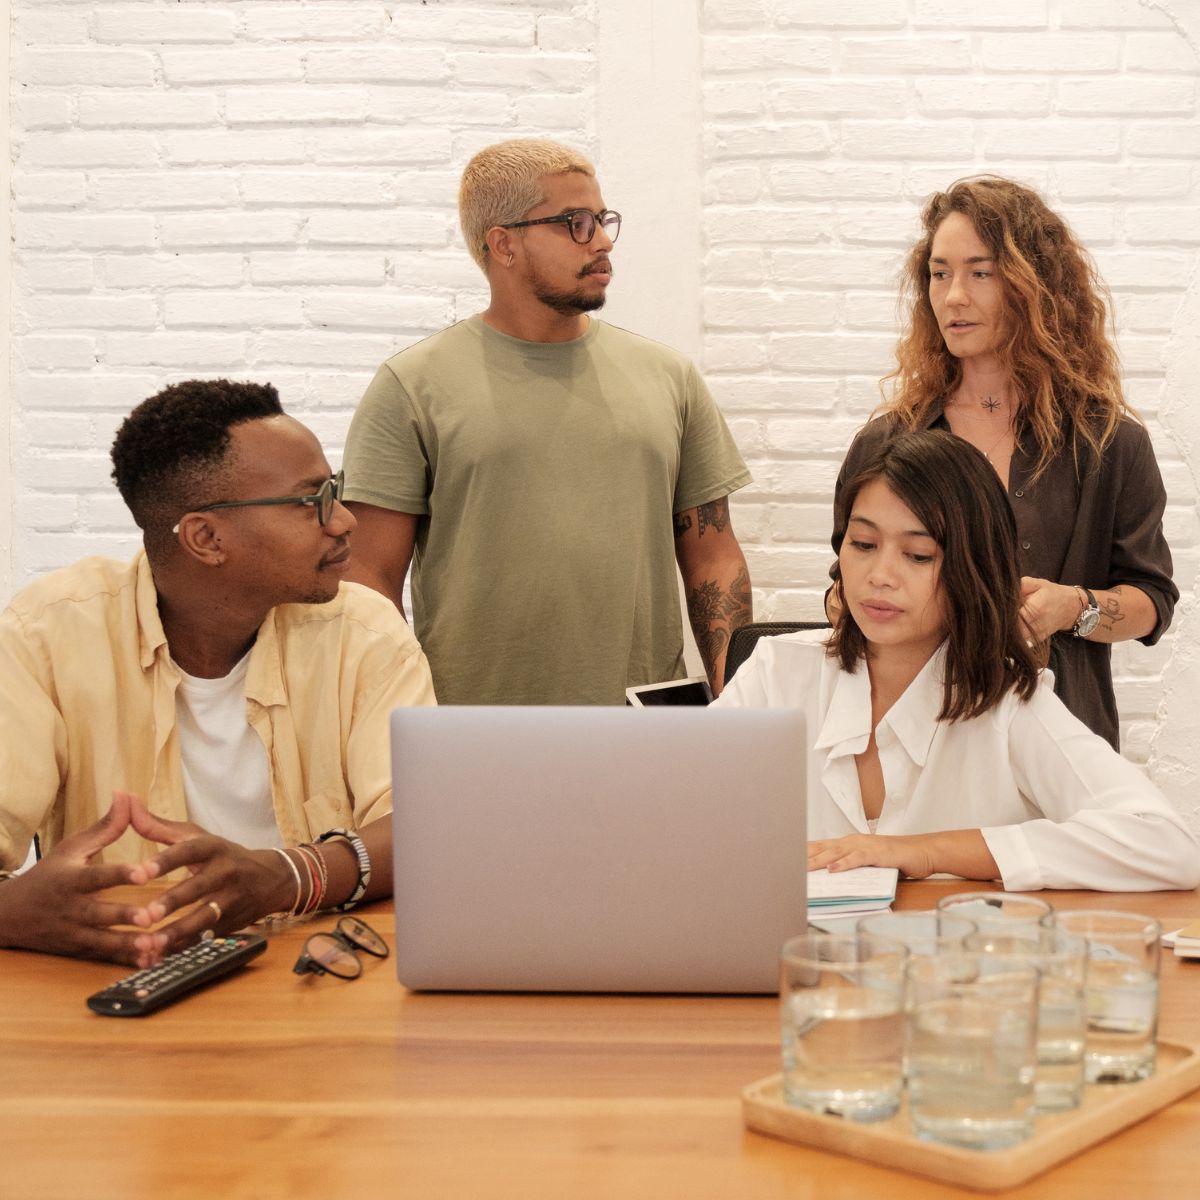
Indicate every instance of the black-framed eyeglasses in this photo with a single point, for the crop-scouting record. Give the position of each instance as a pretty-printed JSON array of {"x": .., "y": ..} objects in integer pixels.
[
  {"x": 322, "y": 500},
  {"x": 336, "y": 953},
  {"x": 580, "y": 222}
]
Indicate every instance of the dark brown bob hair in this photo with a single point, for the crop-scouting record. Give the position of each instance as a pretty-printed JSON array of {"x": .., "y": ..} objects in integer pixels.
[{"x": 959, "y": 499}]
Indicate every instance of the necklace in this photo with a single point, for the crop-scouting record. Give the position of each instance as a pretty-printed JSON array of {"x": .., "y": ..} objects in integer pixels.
[{"x": 996, "y": 444}]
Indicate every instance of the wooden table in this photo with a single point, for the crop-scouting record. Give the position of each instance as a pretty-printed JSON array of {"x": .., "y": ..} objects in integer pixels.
[{"x": 270, "y": 1085}]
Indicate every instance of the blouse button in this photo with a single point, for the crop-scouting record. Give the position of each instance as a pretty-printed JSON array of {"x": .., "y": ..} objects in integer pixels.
[
  {"x": 1019, "y": 492},
  {"x": 1024, "y": 545}
]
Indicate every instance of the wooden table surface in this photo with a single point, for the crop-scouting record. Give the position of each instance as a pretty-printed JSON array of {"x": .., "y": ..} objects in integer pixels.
[{"x": 271, "y": 1085}]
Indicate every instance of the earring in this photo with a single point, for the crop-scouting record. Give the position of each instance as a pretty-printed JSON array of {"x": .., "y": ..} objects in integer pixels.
[{"x": 510, "y": 261}]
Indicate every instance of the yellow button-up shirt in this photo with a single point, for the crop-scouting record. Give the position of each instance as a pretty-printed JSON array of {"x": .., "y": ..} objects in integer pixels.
[{"x": 87, "y": 704}]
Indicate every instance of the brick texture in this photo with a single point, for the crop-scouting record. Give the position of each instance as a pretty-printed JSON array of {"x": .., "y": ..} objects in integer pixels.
[{"x": 266, "y": 190}]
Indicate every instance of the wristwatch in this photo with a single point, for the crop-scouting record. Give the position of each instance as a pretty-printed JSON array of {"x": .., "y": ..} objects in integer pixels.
[{"x": 1089, "y": 618}]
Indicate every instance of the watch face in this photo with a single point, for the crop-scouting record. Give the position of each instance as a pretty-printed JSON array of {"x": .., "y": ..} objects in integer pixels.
[{"x": 1087, "y": 622}]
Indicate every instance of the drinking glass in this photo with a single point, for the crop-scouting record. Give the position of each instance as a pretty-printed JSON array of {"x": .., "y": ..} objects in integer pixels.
[
  {"x": 972, "y": 1049},
  {"x": 1122, "y": 993},
  {"x": 842, "y": 1014},
  {"x": 1062, "y": 1010},
  {"x": 927, "y": 932},
  {"x": 990, "y": 910}
]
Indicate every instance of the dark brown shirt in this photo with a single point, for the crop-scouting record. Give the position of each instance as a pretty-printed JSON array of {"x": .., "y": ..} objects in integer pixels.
[{"x": 1098, "y": 527}]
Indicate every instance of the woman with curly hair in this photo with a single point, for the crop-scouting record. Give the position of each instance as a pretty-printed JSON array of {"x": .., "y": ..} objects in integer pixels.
[{"x": 1006, "y": 346}]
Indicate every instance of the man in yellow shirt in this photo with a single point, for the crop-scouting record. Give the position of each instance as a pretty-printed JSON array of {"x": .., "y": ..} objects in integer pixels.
[{"x": 225, "y": 691}]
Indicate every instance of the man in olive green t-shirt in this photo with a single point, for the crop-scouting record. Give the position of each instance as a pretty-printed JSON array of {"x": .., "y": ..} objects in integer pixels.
[{"x": 544, "y": 472}]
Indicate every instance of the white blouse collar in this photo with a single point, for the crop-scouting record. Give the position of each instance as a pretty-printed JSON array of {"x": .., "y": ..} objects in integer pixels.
[{"x": 913, "y": 719}]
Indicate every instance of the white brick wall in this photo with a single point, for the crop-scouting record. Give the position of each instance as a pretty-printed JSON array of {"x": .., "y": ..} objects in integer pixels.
[
  {"x": 256, "y": 189},
  {"x": 266, "y": 190},
  {"x": 822, "y": 135}
]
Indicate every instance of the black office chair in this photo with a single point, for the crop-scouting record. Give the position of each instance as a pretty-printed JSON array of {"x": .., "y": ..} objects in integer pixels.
[{"x": 742, "y": 640}]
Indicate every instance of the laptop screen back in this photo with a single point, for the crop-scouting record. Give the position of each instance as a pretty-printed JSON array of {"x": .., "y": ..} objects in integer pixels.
[{"x": 597, "y": 849}]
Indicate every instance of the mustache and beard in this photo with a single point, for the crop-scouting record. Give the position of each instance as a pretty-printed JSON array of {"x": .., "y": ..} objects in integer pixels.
[{"x": 576, "y": 300}]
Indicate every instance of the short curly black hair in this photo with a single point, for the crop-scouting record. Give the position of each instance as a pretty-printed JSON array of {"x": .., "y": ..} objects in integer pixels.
[{"x": 170, "y": 449}]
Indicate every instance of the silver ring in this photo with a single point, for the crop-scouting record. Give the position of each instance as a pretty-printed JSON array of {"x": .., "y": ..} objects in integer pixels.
[{"x": 216, "y": 909}]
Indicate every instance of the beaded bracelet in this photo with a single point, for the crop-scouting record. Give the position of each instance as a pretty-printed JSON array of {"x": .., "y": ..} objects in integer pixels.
[{"x": 364, "y": 865}]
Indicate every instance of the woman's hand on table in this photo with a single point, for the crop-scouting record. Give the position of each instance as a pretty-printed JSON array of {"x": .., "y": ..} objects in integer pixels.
[{"x": 917, "y": 856}]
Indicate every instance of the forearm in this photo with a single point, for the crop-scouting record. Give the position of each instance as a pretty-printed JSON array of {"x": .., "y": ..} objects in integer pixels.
[
  {"x": 342, "y": 863},
  {"x": 717, "y": 604},
  {"x": 960, "y": 852},
  {"x": 1126, "y": 613}
]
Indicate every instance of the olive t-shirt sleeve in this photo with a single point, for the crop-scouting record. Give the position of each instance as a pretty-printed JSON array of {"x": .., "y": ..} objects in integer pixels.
[
  {"x": 386, "y": 460},
  {"x": 710, "y": 465}
]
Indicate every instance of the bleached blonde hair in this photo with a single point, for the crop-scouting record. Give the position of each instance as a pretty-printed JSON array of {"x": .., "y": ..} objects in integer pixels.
[{"x": 503, "y": 182}]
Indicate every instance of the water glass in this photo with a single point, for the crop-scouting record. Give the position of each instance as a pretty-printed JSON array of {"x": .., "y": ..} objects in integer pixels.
[
  {"x": 999, "y": 911},
  {"x": 1062, "y": 1010},
  {"x": 842, "y": 1012},
  {"x": 972, "y": 1049},
  {"x": 922, "y": 932},
  {"x": 1122, "y": 993}
]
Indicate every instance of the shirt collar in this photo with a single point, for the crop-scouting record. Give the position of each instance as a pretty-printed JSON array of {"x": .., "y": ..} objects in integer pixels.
[
  {"x": 264, "y": 675},
  {"x": 913, "y": 719},
  {"x": 151, "y": 637}
]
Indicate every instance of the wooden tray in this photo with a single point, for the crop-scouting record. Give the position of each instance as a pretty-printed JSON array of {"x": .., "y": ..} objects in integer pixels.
[{"x": 1106, "y": 1109}]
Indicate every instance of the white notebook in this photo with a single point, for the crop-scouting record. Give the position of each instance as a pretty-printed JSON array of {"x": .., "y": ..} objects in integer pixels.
[{"x": 861, "y": 890}]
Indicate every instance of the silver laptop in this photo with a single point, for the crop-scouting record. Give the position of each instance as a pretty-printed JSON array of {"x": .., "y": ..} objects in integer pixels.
[{"x": 597, "y": 849}]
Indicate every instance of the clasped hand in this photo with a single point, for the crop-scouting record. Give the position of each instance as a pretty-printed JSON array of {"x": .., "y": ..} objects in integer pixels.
[{"x": 55, "y": 907}]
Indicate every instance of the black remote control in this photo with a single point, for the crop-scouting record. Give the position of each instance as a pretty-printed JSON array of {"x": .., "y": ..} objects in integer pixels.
[{"x": 177, "y": 975}]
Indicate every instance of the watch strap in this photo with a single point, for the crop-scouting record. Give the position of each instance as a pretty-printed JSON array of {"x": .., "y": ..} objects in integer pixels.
[{"x": 1089, "y": 614}]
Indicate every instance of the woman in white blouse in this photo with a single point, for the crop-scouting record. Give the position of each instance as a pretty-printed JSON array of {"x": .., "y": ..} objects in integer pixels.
[{"x": 938, "y": 745}]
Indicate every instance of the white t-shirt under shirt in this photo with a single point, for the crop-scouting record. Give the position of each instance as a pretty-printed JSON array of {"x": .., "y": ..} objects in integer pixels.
[
  {"x": 225, "y": 773},
  {"x": 1057, "y": 806}
]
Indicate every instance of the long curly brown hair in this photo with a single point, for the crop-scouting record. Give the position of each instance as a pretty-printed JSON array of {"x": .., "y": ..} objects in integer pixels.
[{"x": 1055, "y": 339}]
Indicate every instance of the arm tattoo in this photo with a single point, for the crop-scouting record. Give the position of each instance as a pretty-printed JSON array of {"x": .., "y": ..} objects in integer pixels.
[
  {"x": 704, "y": 603},
  {"x": 737, "y": 599},
  {"x": 715, "y": 513},
  {"x": 682, "y": 524},
  {"x": 1111, "y": 613},
  {"x": 713, "y": 613}
]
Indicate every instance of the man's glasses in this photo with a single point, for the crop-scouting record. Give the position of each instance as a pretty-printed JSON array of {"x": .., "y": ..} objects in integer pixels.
[
  {"x": 336, "y": 953},
  {"x": 580, "y": 222},
  {"x": 322, "y": 500}
]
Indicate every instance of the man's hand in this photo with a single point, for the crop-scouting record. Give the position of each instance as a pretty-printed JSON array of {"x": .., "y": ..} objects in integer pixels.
[
  {"x": 229, "y": 885},
  {"x": 53, "y": 906}
]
